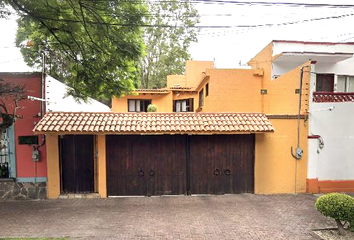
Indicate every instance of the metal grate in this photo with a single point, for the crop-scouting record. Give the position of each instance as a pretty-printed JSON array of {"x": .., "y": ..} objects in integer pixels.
[{"x": 4, "y": 156}]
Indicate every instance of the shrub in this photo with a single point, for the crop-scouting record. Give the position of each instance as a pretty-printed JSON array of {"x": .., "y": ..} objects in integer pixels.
[
  {"x": 338, "y": 206},
  {"x": 151, "y": 108}
]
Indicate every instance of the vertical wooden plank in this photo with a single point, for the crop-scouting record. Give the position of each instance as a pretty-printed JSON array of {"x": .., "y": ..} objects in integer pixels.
[
  {"x": 53, "y": 170},
  {"x": 101, "y": 166},
  {"x": 84, "y": 163},
  {"x": 95, "y": 164},
  {"x": 68, "y": 167}
]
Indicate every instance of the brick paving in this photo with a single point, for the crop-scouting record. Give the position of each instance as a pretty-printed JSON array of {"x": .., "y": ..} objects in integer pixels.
[{"x": 243, "y": 216}]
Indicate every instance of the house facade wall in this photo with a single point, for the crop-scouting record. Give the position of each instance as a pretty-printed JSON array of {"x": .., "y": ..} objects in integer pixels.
[
  {"x": 26, "y": 169},
  {"x": 194, "y": 71},
  {"x": 232, "y": 90},
  {"x": 163, "y": 101},
  {"x": 276, "y": 171},
  {"x": 239, "y": 90},
  {"x": 331, "y": 165}
]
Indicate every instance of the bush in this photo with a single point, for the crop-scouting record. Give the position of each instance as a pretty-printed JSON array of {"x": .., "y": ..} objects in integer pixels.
[
  {"x": 151, "y": 108},
  {"x": 338, "y": 206}
]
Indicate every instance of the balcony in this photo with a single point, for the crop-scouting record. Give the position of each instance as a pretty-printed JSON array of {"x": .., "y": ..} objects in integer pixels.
[{"x": 322, "y": 97}]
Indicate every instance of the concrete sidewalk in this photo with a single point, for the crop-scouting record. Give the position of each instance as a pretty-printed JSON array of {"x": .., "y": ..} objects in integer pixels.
[{"x": 243, "y": 216}]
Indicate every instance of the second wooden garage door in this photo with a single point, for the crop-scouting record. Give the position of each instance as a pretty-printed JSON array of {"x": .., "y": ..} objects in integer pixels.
[
  {"x": 221, "y": 164},
  {"x": 146, "y": 165},
  {"x": 179, "y": 164}
]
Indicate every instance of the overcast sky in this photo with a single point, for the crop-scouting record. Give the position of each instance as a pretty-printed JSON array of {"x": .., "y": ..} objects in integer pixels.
[{"x": 230, "y": 46}]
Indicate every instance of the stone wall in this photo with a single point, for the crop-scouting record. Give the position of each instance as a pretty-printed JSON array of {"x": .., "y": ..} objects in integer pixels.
[{"x": 9, "y": 189}]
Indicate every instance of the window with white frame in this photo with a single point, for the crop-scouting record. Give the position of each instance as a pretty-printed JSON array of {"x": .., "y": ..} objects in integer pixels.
[
  {"x": 138, "y": 105},
  {"x": 184, "y": 105},
  {"x": 345, "y": 83}
]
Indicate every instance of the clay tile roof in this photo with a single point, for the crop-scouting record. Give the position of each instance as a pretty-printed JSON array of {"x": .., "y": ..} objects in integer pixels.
[
  {"x": 153, "y": 123},
  {"x": 333, "y": 97},
  {"x": 181, "y": 88},
  {"x": 161, "y": 90}
]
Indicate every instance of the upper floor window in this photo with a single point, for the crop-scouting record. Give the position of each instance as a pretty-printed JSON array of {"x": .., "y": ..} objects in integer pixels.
[
  {"x": 324, "y": 82},
  {"x": 185, "y": 105},
  {"x": 345, "y": 84},
  {"x": 201, "y": 98},
  {"x": 138, "y": 105}
]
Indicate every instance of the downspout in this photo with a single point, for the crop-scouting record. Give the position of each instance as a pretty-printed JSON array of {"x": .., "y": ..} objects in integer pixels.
[
  {"x": 42, "y": 105},
  {"x": 299, "y": 151}
]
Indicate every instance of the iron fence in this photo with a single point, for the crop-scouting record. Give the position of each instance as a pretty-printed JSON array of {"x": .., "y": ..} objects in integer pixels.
[{"x": 4, "y": 157}]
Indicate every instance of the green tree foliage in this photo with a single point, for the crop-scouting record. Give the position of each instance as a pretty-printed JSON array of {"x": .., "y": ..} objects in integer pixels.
[
  {"x": 94, "y": 46},
  {"x": 4, "y": 11},
  {"x": 168, "y": 41},
  {"x": 10, "y": 96}
]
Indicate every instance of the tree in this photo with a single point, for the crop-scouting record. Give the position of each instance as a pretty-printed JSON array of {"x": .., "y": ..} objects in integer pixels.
[
  {"x": 10, "y": 96},
  {"x": 168, "y": 41},
  {"x": 94, "y": 46},
  {"x": 4, "y": 12}
]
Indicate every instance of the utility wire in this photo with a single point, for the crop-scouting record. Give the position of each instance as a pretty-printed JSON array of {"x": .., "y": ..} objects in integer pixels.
[
  {"x": 252, "y": 27},
  {"x": 196, "y": 26},
  {"x": 250, "y": 3}
]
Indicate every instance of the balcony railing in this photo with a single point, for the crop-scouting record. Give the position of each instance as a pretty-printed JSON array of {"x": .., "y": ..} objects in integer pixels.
[{"x": 333, "y": 97}]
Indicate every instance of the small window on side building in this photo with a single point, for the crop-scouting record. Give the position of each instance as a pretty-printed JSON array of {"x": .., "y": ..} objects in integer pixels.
[
  {"x": 184, "y": 105},
  {"x": 207, "y": 89},
  {"x": 345, "y": 84},
  {"x": 324, "y": 82},
  {"x": 201, "y": 98},
  {"x": 138, "y": 105}
]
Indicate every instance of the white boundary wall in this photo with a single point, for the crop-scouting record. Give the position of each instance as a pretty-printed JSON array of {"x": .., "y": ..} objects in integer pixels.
[{"x": 334, "y": 122}]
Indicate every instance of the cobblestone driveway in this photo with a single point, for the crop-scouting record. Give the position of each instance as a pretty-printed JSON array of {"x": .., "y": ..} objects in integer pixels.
[{"x": 243, "y": 216}]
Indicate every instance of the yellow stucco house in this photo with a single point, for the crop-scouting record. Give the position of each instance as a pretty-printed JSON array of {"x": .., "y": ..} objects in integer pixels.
[{"x": 215, "y": 131}]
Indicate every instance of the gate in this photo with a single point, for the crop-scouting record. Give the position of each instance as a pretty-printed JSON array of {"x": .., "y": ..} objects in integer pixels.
[
  {"x": 7, "y": 154},
  {"x": 77, "y": 163}
]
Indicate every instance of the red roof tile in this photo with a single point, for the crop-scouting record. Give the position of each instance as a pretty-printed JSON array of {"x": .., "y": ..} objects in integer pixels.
[
  {"x": 161, "y": 90},
  {"x": 333, "y": 97},
  {"x": 153, "y": 123}
]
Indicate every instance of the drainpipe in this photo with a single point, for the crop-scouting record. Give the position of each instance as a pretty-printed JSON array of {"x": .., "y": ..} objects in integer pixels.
[
  {"x": 299, "y": 151},
  {"x": 42, "y": 104}
]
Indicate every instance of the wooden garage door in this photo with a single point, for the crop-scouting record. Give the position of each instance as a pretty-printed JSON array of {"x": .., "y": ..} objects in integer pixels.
[
  {"x": 146, "y": 165},
  {"x": 77, "y": 163},
  {"x": 222, "y": 164}
]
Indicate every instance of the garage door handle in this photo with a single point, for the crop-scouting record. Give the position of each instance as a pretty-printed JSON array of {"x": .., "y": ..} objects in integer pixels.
[
  {"x": 227, "y": 172},
  {"x": 141, "y": 173},
  {"x": 152, "y": 173},
  {"x": 216, "y": 172}
]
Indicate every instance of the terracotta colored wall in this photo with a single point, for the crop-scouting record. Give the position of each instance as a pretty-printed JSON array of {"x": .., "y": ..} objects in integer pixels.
[
  {"x": 25, "y": 167},
  {"x": 162, "y": 101},
  {"x": 281, "y": 97},
  {"x": 173, "y": 80},
  {"x": 275, "y": 168},
  {"x": 233, "y": 90},
  {"x": 194, "y": 71},
  {"x": 262, "y": 60}
]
